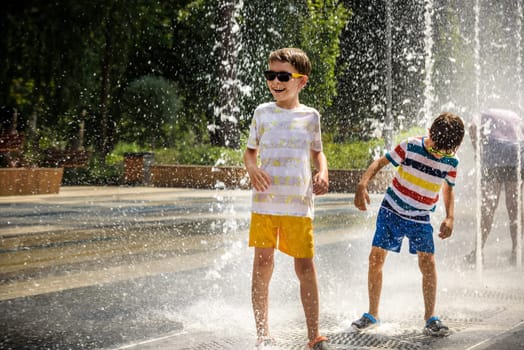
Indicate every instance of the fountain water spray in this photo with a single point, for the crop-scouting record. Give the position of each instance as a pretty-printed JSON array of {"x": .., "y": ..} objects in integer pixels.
[
  {"x": 520, "y": 111},
  {"x": 227, "y": 49},
  {"x": 388, "y": 121},
  {"x": 428, "y": 48},
  {"x": 478, "y": 247}
]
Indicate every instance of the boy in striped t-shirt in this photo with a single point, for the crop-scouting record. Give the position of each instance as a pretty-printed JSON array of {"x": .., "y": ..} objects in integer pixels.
[{"x": 425, "y": 166}]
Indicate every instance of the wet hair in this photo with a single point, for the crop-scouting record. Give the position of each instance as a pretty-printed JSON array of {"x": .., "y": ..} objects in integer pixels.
[
  {"x": 447, "y": 132},
  {"x": 296, "y": 57}
]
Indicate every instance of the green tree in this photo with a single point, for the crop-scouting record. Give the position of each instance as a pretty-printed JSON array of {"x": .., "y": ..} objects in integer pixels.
[
  {"x": 320, "y": 37},
  {"x": 314, "y": 26},
  {"x": 266, "y": 25},
  {"x": 360, "y": 107},
  {"x": 62, "y": 58},
  {"x": 151, "y": 105},
  {"x": 192, "y": 65},
  {"x": 42, "y": 54},
  {"x": 120, "y": 31}
]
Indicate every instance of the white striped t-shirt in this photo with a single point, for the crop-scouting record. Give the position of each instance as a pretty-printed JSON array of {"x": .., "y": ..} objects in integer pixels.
[{"x": 284, "y": 139}]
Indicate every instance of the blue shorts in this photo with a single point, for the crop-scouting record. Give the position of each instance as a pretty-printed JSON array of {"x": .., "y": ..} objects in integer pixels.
[{"x": 392, "y": 228}]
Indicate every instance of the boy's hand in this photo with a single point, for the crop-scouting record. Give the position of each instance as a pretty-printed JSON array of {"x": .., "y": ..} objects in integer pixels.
[
  {"x": 320, "y": 183},
  {"x": 446, "y": 228},
  {"x": 361, "y": 197},
  {"x": 260, "y": 180}
]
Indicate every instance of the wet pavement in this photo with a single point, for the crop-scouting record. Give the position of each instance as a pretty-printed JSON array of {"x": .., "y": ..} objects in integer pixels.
[{"x": 166, "y": 268}]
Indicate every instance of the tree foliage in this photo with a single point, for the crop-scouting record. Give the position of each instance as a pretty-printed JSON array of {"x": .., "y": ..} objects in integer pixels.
[
  {"x": 150, "y": 106},
  {"x": 360, "y": 106},
  {"x": 61, "y": 58},
  {"x": 68, "y": 56},
  {"x": 320, "y": 37}
]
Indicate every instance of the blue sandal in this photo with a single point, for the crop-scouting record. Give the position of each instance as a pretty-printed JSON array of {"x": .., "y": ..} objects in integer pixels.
[
  {"x": 367, "y": 321},
  {"x": 435, "y": 328}
]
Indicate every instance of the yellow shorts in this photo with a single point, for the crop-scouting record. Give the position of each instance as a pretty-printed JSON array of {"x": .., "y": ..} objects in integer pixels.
[{"x": 292, "y": 235}]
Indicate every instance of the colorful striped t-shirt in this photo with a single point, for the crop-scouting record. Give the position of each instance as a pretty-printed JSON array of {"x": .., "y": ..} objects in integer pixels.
[{"x": 415, "y": 188}]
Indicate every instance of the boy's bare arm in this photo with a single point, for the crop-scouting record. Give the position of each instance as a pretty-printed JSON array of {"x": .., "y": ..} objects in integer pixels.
[
  {"x": 260, "y": 180},
  {"x": 361, "y": 193},
  {"x": 448, "y": 196},
  {"x": 321, "y": 178}
]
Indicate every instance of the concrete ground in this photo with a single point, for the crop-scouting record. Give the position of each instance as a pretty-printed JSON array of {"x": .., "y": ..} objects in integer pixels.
[{"x": 168, "y": 268}]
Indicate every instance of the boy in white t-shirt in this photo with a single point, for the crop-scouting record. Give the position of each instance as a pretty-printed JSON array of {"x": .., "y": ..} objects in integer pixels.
[{"x": 286, "y": 136}]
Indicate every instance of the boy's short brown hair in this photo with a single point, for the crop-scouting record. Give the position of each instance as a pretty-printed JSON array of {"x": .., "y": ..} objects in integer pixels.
[
  {"x": 447, "y": 132},
  {"x": 296, "y": 57}
]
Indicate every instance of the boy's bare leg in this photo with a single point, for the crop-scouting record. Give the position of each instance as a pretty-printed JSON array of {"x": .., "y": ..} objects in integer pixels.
[
  {"x": 307, "y": 275},
  {"x": 377, "y": 257},
  {"x": 262, "y": 271},
  {"x": 426, "y": 263}
]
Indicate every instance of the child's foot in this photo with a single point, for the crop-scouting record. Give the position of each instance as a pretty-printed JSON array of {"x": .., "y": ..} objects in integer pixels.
[
  {"x": 266, "y": 342},
  {"x": 367, "y": 321},
  {"x": 436, "y": 328},
  {"x": 320, "y": 343}
]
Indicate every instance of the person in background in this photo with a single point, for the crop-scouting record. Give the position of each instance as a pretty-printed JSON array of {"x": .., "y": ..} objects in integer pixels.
[
  {"x": 285, "y": 135},
  {"x": 426, "y": 164},
  {"x": 499, "y": 135}
]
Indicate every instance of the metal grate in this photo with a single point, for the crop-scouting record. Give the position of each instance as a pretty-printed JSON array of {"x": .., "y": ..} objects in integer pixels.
[
  {"x": 293, "y": 338},
  {"x": 347, "y": 340},
  {"x": 363, "y": 340},
  {"x": 344, "y": 340}
]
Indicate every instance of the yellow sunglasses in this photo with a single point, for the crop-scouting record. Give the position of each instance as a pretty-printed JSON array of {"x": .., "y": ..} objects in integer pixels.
[
  {"x": 442, "y": 154},
  {"x": 281, "y": 76}
]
